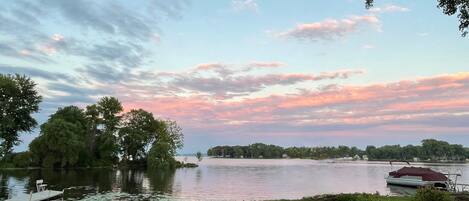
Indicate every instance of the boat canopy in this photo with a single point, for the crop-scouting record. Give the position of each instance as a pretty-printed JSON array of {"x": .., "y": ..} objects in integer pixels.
[{"x": 426, "y": 173}]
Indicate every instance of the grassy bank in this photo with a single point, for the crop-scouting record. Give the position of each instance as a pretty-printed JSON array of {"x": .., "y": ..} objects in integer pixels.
[
  {"x": 422, "y": 195},
  {"x": 354, "y": 197}
]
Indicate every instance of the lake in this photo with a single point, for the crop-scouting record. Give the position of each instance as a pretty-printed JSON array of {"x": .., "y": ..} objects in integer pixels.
[{"x": 218, "y": 179}]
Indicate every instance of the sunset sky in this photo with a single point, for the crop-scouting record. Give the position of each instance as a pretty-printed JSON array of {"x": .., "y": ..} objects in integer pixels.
[{"x": 297, "y": 72}]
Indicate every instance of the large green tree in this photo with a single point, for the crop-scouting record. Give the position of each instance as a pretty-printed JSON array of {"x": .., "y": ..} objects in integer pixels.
[
  {"x": 109, "y": 109},
  {"x": 163, "y": 149},
  {"x": 449, "y": 7},
  {"x": 139, "y": 129},
  {"x": 58, "y": 145},
  {"x": 62, "y": 140},
  {"x": 92, "y": 123},
  {"x": 19, "y": 99}
]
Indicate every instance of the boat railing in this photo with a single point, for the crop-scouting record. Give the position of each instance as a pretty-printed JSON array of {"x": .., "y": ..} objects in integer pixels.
[
  {"x": 399, "y": 161},
  {"x": 454, "y": 186}
]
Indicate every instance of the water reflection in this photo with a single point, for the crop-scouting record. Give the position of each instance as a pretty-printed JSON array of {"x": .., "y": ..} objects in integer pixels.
[
  {"x": 80, "y": 183},
  {"x": 401, "y": 190},
  {"x": 217, "y": 179}
]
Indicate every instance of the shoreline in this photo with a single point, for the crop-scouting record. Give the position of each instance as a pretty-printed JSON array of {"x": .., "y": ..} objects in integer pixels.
[
  {"x": 463, "y": 196},
  {"x": 342, "y": 160}
]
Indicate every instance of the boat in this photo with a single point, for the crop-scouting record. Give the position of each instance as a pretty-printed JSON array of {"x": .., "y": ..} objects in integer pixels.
[{"x": 418, "y": 177}]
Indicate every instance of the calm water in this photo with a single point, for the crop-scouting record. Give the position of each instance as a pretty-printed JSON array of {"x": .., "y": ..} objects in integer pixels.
[{"x": 217, "y": 179}]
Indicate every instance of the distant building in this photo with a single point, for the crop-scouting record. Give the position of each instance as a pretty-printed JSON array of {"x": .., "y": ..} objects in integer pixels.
[
  {"x": 365, "y": 157},
  {"x": 415, "y": 159},
  {"x": 285, "y": 156},
  {"x": 356, "y": 157}
]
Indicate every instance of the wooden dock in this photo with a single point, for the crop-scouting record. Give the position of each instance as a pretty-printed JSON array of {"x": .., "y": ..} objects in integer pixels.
[{"x": 39, "y": 196}]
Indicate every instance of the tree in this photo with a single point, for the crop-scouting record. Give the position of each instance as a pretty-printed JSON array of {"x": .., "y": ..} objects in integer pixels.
[
  {"x": 139, "y": 129},
  {"x": 58, "y": 145},
  {"x": 449, "y": 7},
  {"x": 62, "y": 140},
  {"x": 163, "y": 149},
  {"x": 107, "y": 148},
  {"x": 18, "y": 101},
  {"x": 199, "y": 156},
  {"x": 171, "y": 132},
  {"x": 92, "y": 123},
  {"x": 109, "y": 108},
  {"x": 159, "y": 156}
]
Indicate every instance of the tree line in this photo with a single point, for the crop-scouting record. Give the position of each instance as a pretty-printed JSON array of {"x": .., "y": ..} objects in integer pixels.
[
  {"x": 429, "y": 150},
  {"x": 101, "y": 134}
]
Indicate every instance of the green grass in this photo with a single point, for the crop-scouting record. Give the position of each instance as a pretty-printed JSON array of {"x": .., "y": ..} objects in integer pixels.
[
  {"x": 354, "y": 197},
  {"x": 423, "y": 194}
]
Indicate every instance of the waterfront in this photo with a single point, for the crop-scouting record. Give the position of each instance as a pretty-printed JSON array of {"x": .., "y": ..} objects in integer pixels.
[{"x": 219, "y": 179}]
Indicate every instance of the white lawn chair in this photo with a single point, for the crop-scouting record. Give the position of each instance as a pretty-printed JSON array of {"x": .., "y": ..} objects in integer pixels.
[{"x": 40, "y": 185}]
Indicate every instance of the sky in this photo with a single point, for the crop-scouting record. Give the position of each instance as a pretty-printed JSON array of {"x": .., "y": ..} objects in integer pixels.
[{"x": 290, "y": 73}]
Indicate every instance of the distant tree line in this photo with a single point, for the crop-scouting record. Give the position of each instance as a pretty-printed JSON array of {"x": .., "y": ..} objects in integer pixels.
[
  {"x": 99, "y": 135},
  {"x": 429, "y": 150}
]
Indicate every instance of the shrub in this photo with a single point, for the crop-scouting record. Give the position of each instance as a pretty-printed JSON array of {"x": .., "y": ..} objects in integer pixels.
[
  {"x": 22, "y": 159},
  {"x": 431, "y": 194}
]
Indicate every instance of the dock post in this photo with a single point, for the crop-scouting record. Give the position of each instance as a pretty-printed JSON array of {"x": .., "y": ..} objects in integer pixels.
[{"x": 30, "y": 195}]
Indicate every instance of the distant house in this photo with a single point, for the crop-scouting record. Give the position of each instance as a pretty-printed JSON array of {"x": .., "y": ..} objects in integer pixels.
[
  {"x": 415, "y": 159},
  {"x": 285, "y": 156},
  {"x": 365, "y": 157},
  {"x": 356, "y": 157}
]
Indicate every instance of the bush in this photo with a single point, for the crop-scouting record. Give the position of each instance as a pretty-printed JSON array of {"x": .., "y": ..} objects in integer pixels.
[
  {"x": 431, "y": 194},
  {"x": 159, "y": 157},
  {"x": 22, "y": 159},
  {"x": 17, "y": 160}
]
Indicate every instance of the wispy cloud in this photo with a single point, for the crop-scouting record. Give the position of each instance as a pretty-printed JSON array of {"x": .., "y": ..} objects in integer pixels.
[
  {"x": 368, "y": 46},
  {"x": 331, "y": 29},
  {"x": 260, "y": 64},
  {"x": 418, "y": 105},
  {"x": 37, "y": 73},
  {"x": 243, "y": 5},
  {"x": 106, "y": 32},
  {"x": 389, "y": 9}
]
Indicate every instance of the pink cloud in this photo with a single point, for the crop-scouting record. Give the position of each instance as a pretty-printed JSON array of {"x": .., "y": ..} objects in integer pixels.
[
  {"x": 439, "y": 101},
  {"x": 208, "y": 66},
  {"x": 330, "y": 29},
  {"x": 260, "y": 64}
]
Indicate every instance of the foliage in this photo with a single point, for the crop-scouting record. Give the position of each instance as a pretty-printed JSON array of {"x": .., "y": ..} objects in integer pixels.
[
  {"x": 73, "y": 137},
  {"x": 449, "y": 7},
  {"x": 107, "y": 110},
  {"x": 199, "y": 156},
  {"x": 159, "y": 157},
  {"x": 17, "y": 160},
  {"x": 257, "y": 150},
  {"x": 163, "y": 149},
  {"x": 355, "y": 197},
  {"x": 139, "y": 129},
  {"x": 429, "y": 194},
  {"x": 430, "y": 150},
  {"x": 172, "y": 134},
  {"x": 18, "y": 100},
  {"x": 59, "y": 144}
]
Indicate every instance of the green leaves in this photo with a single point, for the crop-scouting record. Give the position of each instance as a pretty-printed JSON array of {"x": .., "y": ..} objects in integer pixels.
[
  {"x": 75, "y": 137},
  {"x": 18, "y": 101},
  {"x": 62, "y": 139}
]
